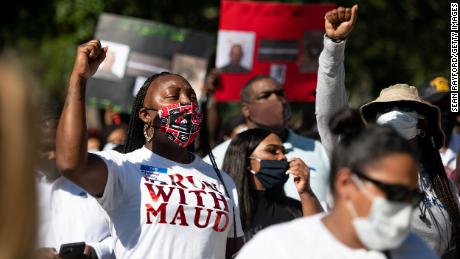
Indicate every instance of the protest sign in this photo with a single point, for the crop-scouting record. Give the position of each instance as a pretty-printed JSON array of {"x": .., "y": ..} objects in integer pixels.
[
  {"x": 281, "y": 40},
  {"x": 139, "y": 48}
]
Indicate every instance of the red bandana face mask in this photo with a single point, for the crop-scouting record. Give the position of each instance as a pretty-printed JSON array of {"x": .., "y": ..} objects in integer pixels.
[{"x": 180, "y": 122}]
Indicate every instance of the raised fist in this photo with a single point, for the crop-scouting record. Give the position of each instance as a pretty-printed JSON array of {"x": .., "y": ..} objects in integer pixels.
[
  {"x": 88, "y": 58},
  {"x": 340, "y": 21}
]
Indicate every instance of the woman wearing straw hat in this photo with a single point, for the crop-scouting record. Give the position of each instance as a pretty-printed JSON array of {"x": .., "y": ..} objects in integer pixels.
[{"x": 437, "y": 219}]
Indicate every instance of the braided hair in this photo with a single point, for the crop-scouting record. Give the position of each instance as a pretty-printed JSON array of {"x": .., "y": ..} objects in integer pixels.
[
  {"x": 136, "y": 130},
  {"x": 136, "y": 126},
  {"x": 431, "y": 161}
]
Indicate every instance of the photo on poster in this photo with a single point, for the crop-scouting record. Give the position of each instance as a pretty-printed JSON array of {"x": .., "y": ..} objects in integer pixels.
[
  {"x": 311, "y": 46},
  {"x": 235, "y": 51},
  {"x": 278, "y": 72},
  {"x": 114, "y": 65},
  {"x": 191, "y": 68},
  {"x": 141, "y": 64}
]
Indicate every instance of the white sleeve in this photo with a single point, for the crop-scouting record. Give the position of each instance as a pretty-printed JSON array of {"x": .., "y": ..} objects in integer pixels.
[
  {"x": 236, "y": 220},
  {"x": 331, "y": 94},
  {"x": 260, "y": 246},
  {"x": 115, "y": 187},
  {"x": 104, "y": 249}
]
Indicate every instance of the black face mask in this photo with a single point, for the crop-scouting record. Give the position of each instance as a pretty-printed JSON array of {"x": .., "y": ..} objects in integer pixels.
[{"x": 272, "y": 173}]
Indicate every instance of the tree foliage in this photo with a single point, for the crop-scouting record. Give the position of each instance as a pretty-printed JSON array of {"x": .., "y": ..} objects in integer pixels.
[{"x": 394, "y": 41}]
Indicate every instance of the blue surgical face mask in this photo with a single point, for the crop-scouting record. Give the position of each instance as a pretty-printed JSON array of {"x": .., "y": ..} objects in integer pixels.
[{"x": 272, "y": 173}]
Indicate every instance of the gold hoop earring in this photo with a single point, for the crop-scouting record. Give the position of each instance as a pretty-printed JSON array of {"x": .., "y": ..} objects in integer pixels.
[{"x": 146, "y": 135}]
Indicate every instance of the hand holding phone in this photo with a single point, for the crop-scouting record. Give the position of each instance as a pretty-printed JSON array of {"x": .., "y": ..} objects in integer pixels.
[{"x": 72, "y": 250}]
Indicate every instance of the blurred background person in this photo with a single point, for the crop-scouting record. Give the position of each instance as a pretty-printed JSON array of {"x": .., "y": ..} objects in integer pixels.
[
  {"x": 115, "y": 135},
  {"x": 208, "y": 136},
  {"x": 374, "y": 175},
  {"x": 68, "y": 214},
  {"x": 257, "y": 163},
  {"x": 232, "y": 127},
  {"x": 18, "y": 153},
  {"x": 94, "y": 140}
]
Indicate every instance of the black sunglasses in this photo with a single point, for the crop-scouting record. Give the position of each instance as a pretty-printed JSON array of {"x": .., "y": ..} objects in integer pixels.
[{"x": 395, "y": 192}]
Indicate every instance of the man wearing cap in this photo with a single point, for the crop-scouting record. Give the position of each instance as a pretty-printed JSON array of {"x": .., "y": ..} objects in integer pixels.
[{"x": 437, "y": 219}]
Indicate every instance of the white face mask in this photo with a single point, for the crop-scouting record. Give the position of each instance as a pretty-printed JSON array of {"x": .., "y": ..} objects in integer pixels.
[
  {"x": 110, "y": 146},
  {"x": 387, "y": 225},
  {"x": 405, "y": 123}
]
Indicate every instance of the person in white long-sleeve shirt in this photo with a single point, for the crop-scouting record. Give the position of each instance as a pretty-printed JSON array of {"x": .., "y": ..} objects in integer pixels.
[
  {"x": 436, "y": 219},
  {"x": 67, "y": 213}
]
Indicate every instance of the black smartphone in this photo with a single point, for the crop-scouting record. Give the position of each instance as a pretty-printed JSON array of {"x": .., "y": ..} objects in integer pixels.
[{"x": 72, "y": 250}]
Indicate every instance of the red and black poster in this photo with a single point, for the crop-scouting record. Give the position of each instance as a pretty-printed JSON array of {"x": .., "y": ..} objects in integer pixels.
[{"x": 277, "y": 39}]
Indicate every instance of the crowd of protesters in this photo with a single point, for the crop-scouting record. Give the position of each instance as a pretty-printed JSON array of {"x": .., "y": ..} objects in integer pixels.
[{"x": 380, "y": 182}]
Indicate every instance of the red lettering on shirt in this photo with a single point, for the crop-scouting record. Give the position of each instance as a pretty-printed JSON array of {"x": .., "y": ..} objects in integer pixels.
[
  {"x": 211, "y": 186},
  {"x": 182, "y": 196},
  {"x": 199, "y": 199},
  {"x": 180, "y": 214},
  {"x": 190, "y": 180},
  {"x": 198, "y": 216},
  {"x": 171, "y": 210},
  {"x": 176, "y": 180},
  {"x": 218, "y": 221},
  {"x": 219, "y": 198},
  {"x": 161, "y": 192},
  {"x": 161, "y": 211}
]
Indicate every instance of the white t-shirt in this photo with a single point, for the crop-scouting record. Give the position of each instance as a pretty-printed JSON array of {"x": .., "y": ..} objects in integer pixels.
[
  {"x": 163, "y": 209},
  {"x": 309, "y": 238},
  {"x": 68, "y": 214}
]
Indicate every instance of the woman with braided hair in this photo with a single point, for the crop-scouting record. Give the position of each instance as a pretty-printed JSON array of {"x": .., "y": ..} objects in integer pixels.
[{"x": 163, "y": 201}]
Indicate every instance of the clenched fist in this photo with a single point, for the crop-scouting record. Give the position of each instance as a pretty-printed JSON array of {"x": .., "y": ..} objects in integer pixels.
[
  {"x": 88, "y": 58},
  {"x": 339, "y": 22}
]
